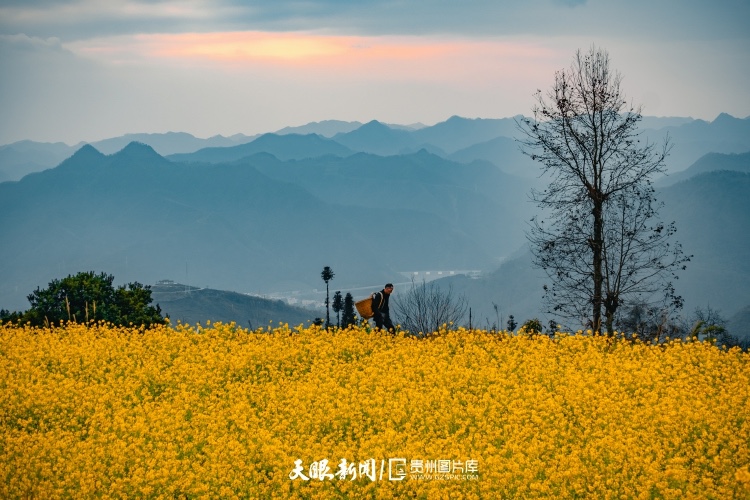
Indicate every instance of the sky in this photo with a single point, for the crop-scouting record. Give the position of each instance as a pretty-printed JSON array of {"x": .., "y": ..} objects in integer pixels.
[{"x": 87, "y": 70}]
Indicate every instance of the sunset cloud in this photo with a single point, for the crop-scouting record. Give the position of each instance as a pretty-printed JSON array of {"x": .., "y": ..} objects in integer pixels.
[{"x": 395, "y": 55}]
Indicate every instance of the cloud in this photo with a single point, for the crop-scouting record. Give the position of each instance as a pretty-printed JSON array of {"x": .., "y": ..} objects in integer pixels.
[
  {"x": 21, "y": 41},
  {"x": 80, "y": 19},
  {"x": 571, "y": 3},
  {"x": 86, "y": 69}
]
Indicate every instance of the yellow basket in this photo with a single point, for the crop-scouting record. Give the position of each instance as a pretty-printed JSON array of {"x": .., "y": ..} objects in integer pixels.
[{"x": 364, "y": 308}]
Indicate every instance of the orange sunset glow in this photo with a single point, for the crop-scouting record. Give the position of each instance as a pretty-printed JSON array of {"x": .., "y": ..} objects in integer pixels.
[{"x": 301, "y": 49}]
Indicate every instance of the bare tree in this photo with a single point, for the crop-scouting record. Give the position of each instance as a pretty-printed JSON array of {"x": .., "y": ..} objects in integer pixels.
[
  {"x": 425, "y": 308},
  {"x": 601, "y": 242}
]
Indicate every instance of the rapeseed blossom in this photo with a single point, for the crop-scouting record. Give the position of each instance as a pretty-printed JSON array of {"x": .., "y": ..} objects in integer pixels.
[{"x": 280, "y": 412}]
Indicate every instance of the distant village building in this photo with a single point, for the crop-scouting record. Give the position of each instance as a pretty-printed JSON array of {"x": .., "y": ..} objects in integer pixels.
[{"x": 419, "y": 276}]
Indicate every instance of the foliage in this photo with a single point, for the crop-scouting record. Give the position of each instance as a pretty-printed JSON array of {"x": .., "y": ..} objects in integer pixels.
[
  {"x": 512, "y": 323},
  {"x": 224, "y": 412},
  {"x": 338, "y": 306},
  {"x": 600, "y": 241},
  {"x": 532, "y": 326},
  {"x": 86, "y": 297},
  {"x": 349, "y": 317},
  {"x": 426, "y": 308}
]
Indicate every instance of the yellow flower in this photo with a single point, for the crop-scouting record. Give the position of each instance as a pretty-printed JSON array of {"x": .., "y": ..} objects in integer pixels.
[{"x": 220, "y": 411}]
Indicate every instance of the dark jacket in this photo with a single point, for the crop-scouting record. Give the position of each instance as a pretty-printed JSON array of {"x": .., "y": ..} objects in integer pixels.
[{"x": 381, "y": 310}]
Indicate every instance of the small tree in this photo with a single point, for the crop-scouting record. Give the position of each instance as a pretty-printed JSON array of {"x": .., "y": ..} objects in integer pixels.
[
  {"x": 327, "y": 275},
  {"x": 648, "y": 322},
  {"x": 337, "y": 306},
  {"x": 425, "y": 308},
  {"x": 512, "y": 324},
  {"x": 709, "y": 324},
  {"x": 349, "y": 317},
  {"x": 532, "y": 326}
]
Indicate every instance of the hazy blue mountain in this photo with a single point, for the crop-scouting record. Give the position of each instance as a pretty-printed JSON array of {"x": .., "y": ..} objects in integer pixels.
[
  {"x": 424, "y": 147},
  {"x": 193, "y": 305},
  {"x": 329, "y": 128},
  {"x": 24, "y": 157},
  {"x": 739, "y": 324},
  {"x": 712, "y": 213},
  {"x": 709, "y": 163},
  {"x": 169, "y": 143},
  {"x": 691, "y": 141},
  {"x": 143, "y": 218},
  {"x": 491, "y": 140},
  {"x": 466, "y": 139},
  {"x": 459, "y": 133},
  {"x": 284, "y": 147},
  {"x": 453, "y": 138},
  {"x": 503, "y": 152},
  {"x": 409, "y": 127},
  {"x": 377, "y": 138},
  {"x": 484, "y": 204},
  {"x": 515, "y": 287},
  {"x": 657, "y": 122},
  {"x": 325, "y": 128}
]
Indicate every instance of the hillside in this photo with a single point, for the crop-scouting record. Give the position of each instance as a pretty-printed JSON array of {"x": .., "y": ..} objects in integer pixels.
[
  {"x": 284, "y": 147},
  {"x": 690, "y": 141},
  {"x": 738, "y": 325},
  {"x": 143, "y": 218},
  {"x": 709, "y": 163},
  {"x": 503, "y": 152},
  {"x": 515, "y": 288},
  {"x": 193, "y": 305},
  {"x": 712, "y": 214}
]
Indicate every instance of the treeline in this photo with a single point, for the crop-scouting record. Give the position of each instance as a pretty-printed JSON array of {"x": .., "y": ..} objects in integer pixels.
[{"x": 424, "y": 308}]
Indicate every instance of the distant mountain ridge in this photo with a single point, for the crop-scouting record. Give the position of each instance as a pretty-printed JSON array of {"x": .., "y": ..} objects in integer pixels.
[
  {"x": 725, "y": 134},
  {"x": 710, "y": 162},
  {"x": 24, "y": 157},
  {"x": 325, "y": 128},
  {"x": 283, "y": 147},
  {"x": 459, "y": 139}
]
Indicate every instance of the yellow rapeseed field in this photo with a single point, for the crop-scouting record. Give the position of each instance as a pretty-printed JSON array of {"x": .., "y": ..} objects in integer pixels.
[{"x": 222, "y": 412}]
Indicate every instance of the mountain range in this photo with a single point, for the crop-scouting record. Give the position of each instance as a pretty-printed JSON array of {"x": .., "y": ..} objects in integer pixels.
[
  {"x": 230, "y": 226},
  {"x": 375, "y": 202},
  {"x": 458, "y": 138}
]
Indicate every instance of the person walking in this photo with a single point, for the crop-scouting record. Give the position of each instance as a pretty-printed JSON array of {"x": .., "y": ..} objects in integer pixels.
[{"x": 380, "y": 307}]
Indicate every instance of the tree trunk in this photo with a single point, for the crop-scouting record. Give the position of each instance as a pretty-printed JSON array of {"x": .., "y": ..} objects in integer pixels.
[
  {"x": 328, "y": 315},
  {"x": 596, "y": 245}
]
